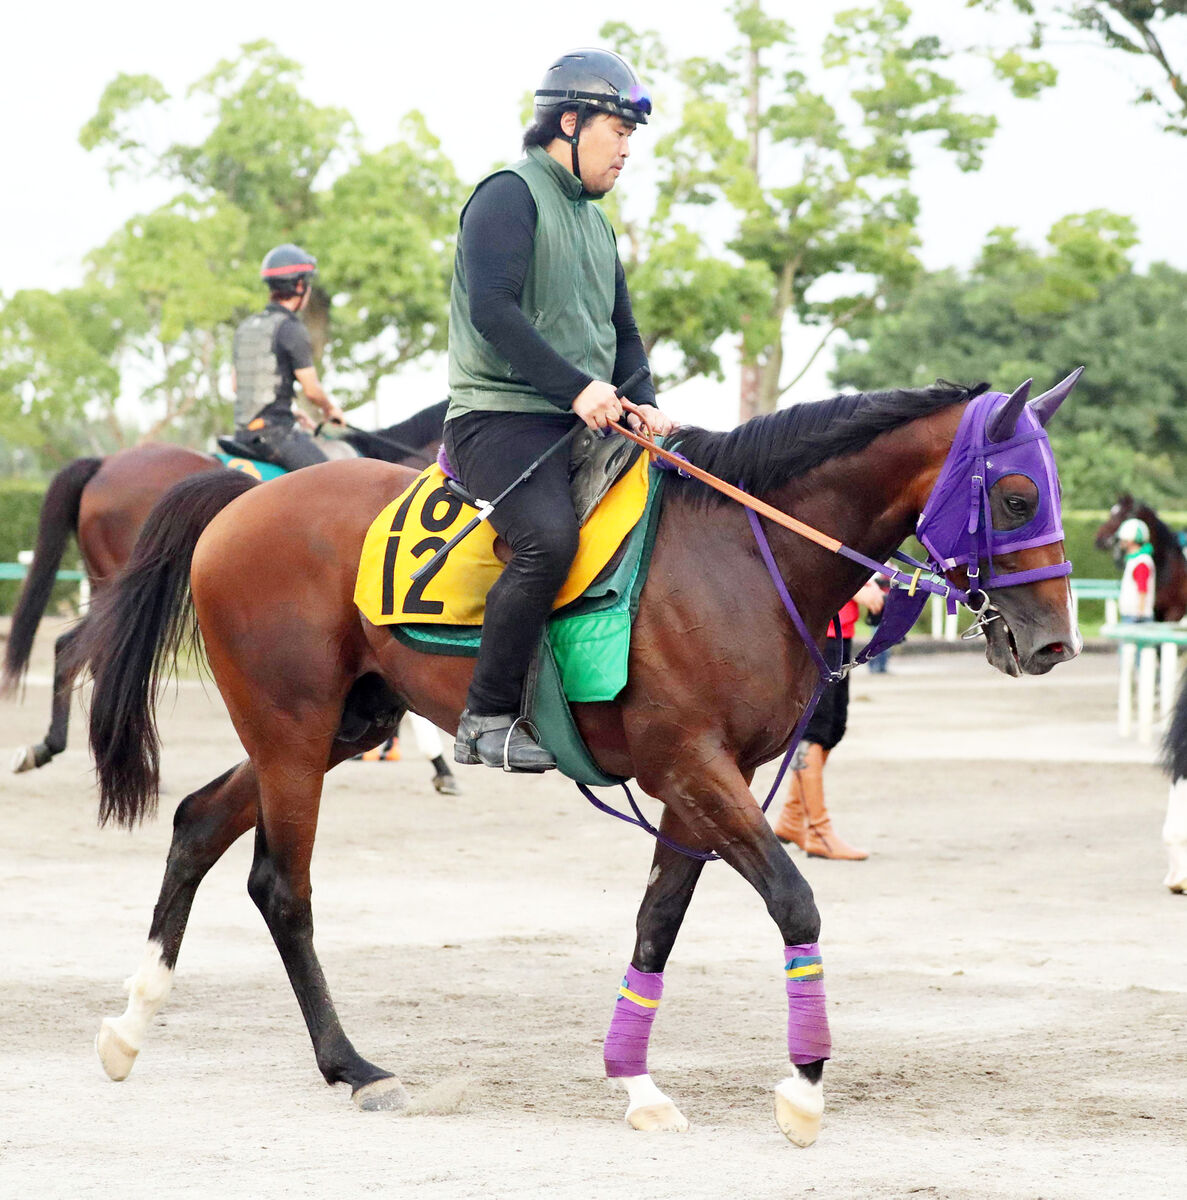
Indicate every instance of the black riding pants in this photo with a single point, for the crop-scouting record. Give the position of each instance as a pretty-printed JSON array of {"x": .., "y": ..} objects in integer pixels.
[
  {"x": 285, "y": 445},
  {"x": 538, "y": 522}
]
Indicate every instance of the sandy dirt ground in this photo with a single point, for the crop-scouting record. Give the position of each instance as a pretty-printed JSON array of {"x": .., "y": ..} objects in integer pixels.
[{"x": 1007, "y": 976}]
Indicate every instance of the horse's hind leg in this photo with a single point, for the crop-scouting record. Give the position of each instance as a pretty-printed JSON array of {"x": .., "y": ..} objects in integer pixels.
[
  {"x": 204, "y": 826},
  {"x": 279, "y": 885},
  {"x": 28, "y": 758}
]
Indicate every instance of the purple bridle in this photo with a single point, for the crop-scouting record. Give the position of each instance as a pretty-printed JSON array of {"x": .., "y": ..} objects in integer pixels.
[{"x": 998, "y": 435}]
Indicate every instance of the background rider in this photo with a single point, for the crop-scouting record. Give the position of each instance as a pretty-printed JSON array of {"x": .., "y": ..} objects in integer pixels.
[{"x": 272, "y": 352}]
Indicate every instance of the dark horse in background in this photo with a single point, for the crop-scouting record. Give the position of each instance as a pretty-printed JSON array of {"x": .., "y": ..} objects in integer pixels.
[
  {"x": 718, "y": 678},
  {"x": 1170, "y": 567},
  {"x": 103, "y": 502}
]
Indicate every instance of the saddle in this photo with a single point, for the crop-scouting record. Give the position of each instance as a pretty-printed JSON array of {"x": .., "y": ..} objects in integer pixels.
[{"x": 583, "y": 654}]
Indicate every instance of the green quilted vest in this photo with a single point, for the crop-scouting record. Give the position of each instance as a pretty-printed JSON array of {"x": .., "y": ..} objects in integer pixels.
[{"x": 568, "y": 296}]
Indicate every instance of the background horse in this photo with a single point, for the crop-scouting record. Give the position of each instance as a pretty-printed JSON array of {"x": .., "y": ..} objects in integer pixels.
[
  {"x": 717, "y": 681},
  {"x": 1170, "y": 568},
  {"x": 103, "y": 502}
]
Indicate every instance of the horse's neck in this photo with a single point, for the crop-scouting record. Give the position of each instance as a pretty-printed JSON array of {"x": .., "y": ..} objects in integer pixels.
[{"x": 870, "y": 501}]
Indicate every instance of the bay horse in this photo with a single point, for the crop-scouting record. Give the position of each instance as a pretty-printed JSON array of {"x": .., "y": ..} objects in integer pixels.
[
  {"x": 717, "y": 680},
  {"x": 1170, "y": 567},
  {"x": 103, "y": 502}
]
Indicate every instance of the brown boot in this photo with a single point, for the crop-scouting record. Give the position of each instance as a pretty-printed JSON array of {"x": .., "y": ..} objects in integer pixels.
[
  {"x": 792, "y": 826},
  {"x": 822, "y": 841}
]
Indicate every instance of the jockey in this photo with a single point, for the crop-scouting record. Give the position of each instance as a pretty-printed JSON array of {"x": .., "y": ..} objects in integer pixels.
[
  {"x": 1136, "y": 602},
  {"x": 272, "y": 351},
  {"x": 540, "y": 330}
]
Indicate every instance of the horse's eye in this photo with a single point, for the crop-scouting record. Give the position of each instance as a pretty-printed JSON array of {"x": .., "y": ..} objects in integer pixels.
[{"x": 1018, "y": 505}]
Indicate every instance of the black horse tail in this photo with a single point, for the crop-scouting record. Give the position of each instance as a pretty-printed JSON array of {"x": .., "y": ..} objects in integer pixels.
[
  {"x": 132, "y": 637},
  {"x": 1174, "y": 743},
  {"x": 58, "y": 520}
]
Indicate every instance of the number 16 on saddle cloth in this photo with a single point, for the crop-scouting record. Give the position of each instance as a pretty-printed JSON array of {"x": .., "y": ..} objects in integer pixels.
[{"x": 421, "y": 520}]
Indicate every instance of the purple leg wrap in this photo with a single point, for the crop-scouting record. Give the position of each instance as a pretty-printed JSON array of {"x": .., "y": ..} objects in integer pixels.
[
  {"x": 807, "y": 1020},
  {"x": 625, "y": 1051}
]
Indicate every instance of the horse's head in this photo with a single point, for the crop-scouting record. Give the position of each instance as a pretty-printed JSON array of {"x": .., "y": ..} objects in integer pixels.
[
  {"x": 993, "y": 521},
  {"x": 1106, "y": 535}
]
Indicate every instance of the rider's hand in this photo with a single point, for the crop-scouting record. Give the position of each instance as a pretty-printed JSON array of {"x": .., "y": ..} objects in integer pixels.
[
  {"x": 597, "y": 405},
  {"x": 304, "y": 421},
  {"x": 335, "y": 415},
  {"x": 872, "y": 596},
  {"x": 648, "y": 417}
]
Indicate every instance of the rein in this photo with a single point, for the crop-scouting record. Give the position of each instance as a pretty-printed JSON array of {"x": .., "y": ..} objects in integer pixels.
[{"x": 976, "y": 528}]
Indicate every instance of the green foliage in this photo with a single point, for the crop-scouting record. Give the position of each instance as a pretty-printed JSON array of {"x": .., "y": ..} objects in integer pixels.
[
  {"x": 800, "y": 169},
  {"x": 386, "y": 236},
  {"x": 162, "y": 296},
  {"x": 1150, "y": 30},
  {"x": 1020, "y": 313},
  {"x": 58, "y": 369},
  {"x": 20, "y": 510}
]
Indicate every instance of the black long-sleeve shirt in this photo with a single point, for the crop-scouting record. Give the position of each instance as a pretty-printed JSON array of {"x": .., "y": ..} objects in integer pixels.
[{"x": 498, "y": 238}]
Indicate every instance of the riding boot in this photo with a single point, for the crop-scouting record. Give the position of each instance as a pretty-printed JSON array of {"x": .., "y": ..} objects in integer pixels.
[
  {"x": 500, "y": 741},
  {"x": 822, "y": 841},
  {"x": 791, "y": 828}
]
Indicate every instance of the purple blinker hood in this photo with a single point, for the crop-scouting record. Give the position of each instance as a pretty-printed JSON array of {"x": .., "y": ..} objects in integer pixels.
[{"x": 998, "y": 435}]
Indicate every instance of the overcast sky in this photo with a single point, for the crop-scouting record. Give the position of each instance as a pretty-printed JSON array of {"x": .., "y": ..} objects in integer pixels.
[{"x": 466, "y": 65}]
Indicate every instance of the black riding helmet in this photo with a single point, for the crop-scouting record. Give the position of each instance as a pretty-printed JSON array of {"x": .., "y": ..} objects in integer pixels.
[
  {"x": 592, "y": 78},
  {"x": 285, "y": 267}
]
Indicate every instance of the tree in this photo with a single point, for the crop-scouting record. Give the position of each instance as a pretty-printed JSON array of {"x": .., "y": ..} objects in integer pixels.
[
  {"x": 1020, "y": 313},
  {"x": 386, "y": 233},
  {"x": 155, "y": 316},
  {"x": 59, "y": 373},
  {"x": 809, "y": 177},
  {"x": 1139, "y": 28}
]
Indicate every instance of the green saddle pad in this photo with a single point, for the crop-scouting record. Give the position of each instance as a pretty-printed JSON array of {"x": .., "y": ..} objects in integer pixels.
[{"x": 584, "y": 650}]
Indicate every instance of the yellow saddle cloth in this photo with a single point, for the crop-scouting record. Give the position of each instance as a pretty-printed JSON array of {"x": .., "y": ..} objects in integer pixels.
[{"x": 422, "y": 519}]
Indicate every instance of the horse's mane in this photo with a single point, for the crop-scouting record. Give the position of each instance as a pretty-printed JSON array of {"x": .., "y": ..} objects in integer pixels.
[
  {"x": 421, "y": 428},
  {"x": 766, "y": 451}
]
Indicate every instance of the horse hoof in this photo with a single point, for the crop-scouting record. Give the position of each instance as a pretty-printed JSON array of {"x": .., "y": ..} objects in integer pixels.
[
  {"x": 115, "y": 1054},
  {"x": 658, "y": 1118},
  {"x": 382, "y": 1095},
  {"x": 23, "y": 760},
  {"x": 447, "y": 785},
  {"x": 799, "y": 1105}
]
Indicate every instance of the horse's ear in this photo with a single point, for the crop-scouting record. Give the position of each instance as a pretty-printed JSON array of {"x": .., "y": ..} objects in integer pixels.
[
  {"x": 1048, "y": 402},
  {"x": 1003, "y": 422}
]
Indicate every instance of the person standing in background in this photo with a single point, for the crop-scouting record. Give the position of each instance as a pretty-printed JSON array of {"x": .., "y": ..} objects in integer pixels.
[
  {"x": 804, "y": 819},
  {"x": 1136, "y": 602}
]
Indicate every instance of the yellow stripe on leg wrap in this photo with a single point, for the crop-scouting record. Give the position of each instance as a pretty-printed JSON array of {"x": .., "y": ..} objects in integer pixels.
[
  {"x": 634, "y": 997},
  {"x": 814, "y": 971}
]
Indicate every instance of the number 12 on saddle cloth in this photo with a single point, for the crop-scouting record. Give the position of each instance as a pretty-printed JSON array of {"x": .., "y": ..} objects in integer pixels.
[{"x": 422, "y": 519}]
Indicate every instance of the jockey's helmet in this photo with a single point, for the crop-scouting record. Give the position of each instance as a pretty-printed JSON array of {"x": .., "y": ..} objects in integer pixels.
[
  {"x": 597, "y": 79},
  {"x": 286, "y": 267},
  {"x": 1133, "y": 530}
]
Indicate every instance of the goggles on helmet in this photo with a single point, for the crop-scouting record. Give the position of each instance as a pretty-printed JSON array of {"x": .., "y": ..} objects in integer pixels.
[{"x": 637, "y": 97}]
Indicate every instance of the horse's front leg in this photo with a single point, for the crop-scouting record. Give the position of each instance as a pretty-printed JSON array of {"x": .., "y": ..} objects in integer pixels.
[
  {"x": 715, "y": 804},
  {"x": 669, "y": 889}
]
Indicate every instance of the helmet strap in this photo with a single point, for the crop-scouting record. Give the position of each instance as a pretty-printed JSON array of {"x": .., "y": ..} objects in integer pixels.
[{"x": 576, "y": 137}]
